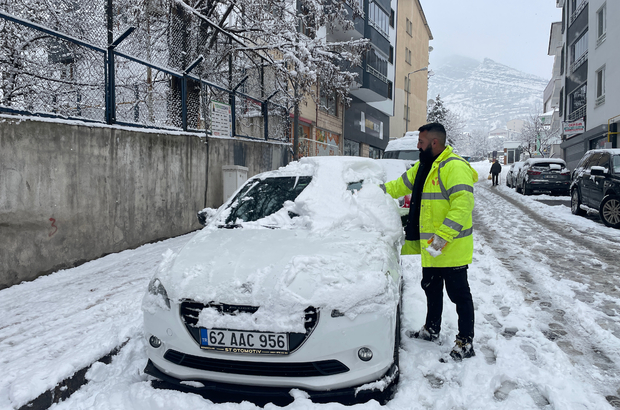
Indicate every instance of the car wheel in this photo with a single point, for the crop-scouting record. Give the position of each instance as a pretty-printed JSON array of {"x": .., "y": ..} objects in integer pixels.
[
  {"x": 610, "y": 211},
  {"x": 526, "y": 190},
  {"x": 575, "y": 203},
  {"x": 518, "y": 188}
]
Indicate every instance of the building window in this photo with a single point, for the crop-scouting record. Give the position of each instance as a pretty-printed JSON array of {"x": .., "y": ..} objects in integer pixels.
[
  {"x": 577, "y": 103},
  {"x": 407, "y": 56},
  {"x": 406, "y": 113},
  {"x": 407, "y": 82},
  {"x": 329, "y": 103},
  {"x": 392, "y": 18},
  {"x": 579, "y": 51},
  {"x": 600, "y": 86},
  {"x": 391, "y": 56},
  {"x": 601, "y": 24},
  {"x": 576, "y": 4},
  {"x": 409, "y": 27},
  {"x": 306, "y": 21},
  {"x": 351, "y": 148},
  {"x": 390, "y": 90},
  {"x": 378, "y": 19},
  {"x": 374, "y": 153},
  {"x": 376, "y": 64},
  {"x": 562, "y": 58},
  {"x": 561, "y": 107}
]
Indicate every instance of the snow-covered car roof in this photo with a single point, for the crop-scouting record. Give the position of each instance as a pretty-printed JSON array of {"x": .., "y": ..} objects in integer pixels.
[
  {"x": 326, "y": 204},
  {"x": 612, "y": 151},
  {"x": 408, "y": 142},
  {"x": 546, "y": 161}
]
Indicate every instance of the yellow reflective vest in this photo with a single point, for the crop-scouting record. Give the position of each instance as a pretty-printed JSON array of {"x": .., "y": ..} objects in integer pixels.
[{"x": 445, "y": 209}]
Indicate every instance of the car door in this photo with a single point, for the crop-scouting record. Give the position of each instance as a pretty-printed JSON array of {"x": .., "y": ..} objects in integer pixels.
[
  {"x": 598, "y": 181},
  {"x": 588, "y": 180}
]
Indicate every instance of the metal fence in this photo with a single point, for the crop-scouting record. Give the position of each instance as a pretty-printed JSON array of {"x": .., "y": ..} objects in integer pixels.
[{"x": 148, "y": 63}]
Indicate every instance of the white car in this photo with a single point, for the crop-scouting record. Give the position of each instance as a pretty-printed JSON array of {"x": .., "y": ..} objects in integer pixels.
[{"x": 294, "y": 283}]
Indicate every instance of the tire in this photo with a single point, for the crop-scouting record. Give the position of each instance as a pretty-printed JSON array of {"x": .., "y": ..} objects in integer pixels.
[
  {"x": 526, "y": 190},
  {"x": 610, "y": 211},
  {"x": 575, "y": 203},
  {"x": 518, "y": 188}
]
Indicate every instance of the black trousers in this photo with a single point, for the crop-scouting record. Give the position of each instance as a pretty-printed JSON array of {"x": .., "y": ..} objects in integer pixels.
[
  {"x": 458, "y": 291},
  {"x": 495, "y": 179}
]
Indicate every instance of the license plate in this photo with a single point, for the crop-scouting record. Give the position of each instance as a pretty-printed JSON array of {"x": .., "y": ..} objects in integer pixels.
[
  {"x": 238, "y": 341},
  {"x": 552, "y": 176}
]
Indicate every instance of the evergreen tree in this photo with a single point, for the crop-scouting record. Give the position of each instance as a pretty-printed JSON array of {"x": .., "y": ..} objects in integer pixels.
[{"x": 436, "y": 111}]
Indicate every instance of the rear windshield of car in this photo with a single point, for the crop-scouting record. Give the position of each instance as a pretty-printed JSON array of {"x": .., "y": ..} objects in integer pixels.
[
  {"x": 413, "y": 155},
  {"x": 546, "y": 166},
  {"x": 261, "y": 198}
]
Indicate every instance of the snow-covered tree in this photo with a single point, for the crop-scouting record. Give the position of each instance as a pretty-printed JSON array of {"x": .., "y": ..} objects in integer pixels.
[
  {"x": 452, "y": 122},
  {"x": 536, "y": 137}
]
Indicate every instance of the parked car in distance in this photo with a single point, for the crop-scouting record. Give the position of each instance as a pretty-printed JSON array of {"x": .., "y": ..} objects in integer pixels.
[
  {"x": 293, "y": 283},
  {"x": 596, "y": 185},
  {"x": 405, "y": 147},
  {"x": 511, "y": 175},
  {"x": 544, "y": 175}
]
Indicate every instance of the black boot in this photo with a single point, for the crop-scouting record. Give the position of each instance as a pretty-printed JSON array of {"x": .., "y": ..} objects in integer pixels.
[{"x": 463, "y": 349}]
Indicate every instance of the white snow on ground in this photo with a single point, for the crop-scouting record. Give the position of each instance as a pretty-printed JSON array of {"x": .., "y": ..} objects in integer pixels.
[{"x": 58, "y": 324}]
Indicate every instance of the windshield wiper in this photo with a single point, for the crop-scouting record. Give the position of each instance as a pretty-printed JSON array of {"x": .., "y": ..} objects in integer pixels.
[{"x": 230, "y": 226}]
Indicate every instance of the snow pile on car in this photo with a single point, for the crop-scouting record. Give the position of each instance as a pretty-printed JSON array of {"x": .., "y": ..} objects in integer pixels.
[{"x": 333, "y": 252}]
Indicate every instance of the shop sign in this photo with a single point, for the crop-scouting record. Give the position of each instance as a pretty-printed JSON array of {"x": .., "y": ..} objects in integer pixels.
[{"x": 570, "y": 128}]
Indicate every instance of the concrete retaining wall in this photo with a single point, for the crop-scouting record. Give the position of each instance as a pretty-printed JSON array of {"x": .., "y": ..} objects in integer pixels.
[{"x": 73, "y": 192}]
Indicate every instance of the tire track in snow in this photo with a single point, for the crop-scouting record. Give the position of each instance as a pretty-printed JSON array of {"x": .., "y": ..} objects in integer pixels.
[{"x": 530, "y": 245}]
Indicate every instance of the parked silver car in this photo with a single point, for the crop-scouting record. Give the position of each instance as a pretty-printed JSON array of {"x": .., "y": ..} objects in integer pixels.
[{"x": 513, "y": 171}]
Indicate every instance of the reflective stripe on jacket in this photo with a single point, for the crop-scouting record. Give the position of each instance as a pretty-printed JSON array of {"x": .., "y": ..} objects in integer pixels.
[{"x": 445, "y": 209}]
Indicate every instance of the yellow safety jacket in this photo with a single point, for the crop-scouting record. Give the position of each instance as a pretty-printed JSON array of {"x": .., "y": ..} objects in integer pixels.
[{"x": 445, "y": 209}]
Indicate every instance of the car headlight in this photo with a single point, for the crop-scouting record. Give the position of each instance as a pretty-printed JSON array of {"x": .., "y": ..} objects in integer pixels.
[{"x": 157, "y": 289}]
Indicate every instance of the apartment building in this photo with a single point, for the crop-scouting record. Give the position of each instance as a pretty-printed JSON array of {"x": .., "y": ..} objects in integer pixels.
[
  {"x": 589, "y": 76},
  {"x": 399, "y": 43},
  {"x": 411, "y": 60}
]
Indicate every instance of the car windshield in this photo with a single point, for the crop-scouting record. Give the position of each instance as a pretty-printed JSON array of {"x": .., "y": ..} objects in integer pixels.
[
  {"x": 616, "y": 164},
  {"x": 412, "y": 155},
  {"x": 261, "y": 198}
]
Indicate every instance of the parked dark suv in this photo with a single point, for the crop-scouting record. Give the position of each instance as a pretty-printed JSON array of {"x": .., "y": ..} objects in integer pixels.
[
  {"x": 543, "y": 175},
  {"x": 596, "y": 185}
]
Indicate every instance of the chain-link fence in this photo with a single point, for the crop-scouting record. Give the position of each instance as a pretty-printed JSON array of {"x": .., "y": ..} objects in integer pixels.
[{"x": 150, "y": 63}]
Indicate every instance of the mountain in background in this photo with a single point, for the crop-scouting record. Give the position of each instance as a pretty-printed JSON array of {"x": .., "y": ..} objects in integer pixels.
[{"x": 487, "y": 95}]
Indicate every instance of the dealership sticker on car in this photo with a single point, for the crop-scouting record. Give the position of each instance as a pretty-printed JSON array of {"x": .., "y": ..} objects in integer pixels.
[{"x": 237, "y": 341}]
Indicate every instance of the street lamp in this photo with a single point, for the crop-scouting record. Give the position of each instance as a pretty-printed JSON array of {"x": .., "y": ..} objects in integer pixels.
[{"x": 409, "y": 92}]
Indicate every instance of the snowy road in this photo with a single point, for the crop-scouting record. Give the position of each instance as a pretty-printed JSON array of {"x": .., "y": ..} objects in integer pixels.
[{"x": 546, "y": 293}]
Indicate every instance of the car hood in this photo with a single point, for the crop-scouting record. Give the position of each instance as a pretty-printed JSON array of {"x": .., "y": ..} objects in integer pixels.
[{"x": 281, "y": 270}]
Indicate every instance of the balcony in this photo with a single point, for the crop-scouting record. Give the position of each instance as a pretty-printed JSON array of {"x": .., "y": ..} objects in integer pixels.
[
  {"x": 576, "y": 13},
  {"x": 578, "y": 113},
  {"x": 345, "y": 35},
  {"x": 574, "y": 66}
]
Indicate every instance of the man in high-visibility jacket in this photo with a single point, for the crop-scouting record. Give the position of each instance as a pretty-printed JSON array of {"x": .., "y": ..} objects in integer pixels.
[{"x": 440, "y": 229}]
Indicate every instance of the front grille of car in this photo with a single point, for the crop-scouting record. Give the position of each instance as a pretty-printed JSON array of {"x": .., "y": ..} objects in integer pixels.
[
  {"x": 309, "y": 369},
  {"x": 190, "y": 310}
]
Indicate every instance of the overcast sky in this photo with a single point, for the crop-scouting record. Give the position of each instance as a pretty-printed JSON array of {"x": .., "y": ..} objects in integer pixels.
[{"x": 513, "y": 33}]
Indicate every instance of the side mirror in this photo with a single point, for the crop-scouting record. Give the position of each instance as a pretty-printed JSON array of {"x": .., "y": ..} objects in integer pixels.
[
  {"x": 596, "y": 170},
  {"x": 205, "y": 214}
]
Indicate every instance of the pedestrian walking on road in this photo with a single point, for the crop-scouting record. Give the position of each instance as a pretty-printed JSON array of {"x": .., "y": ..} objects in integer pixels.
[
  {"x": 496, "y": 169},
  {"x": 439, "y": 228}
]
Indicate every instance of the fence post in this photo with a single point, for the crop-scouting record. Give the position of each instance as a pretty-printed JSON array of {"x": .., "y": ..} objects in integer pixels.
[
  {"x": 184, "y": 90},
  {"x": 111, "y": 114},
  {"x": 266, "y": 114}
]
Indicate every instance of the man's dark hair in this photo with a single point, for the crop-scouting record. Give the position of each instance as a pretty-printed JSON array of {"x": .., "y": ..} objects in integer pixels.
[{"x": 435, "y": 128}]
